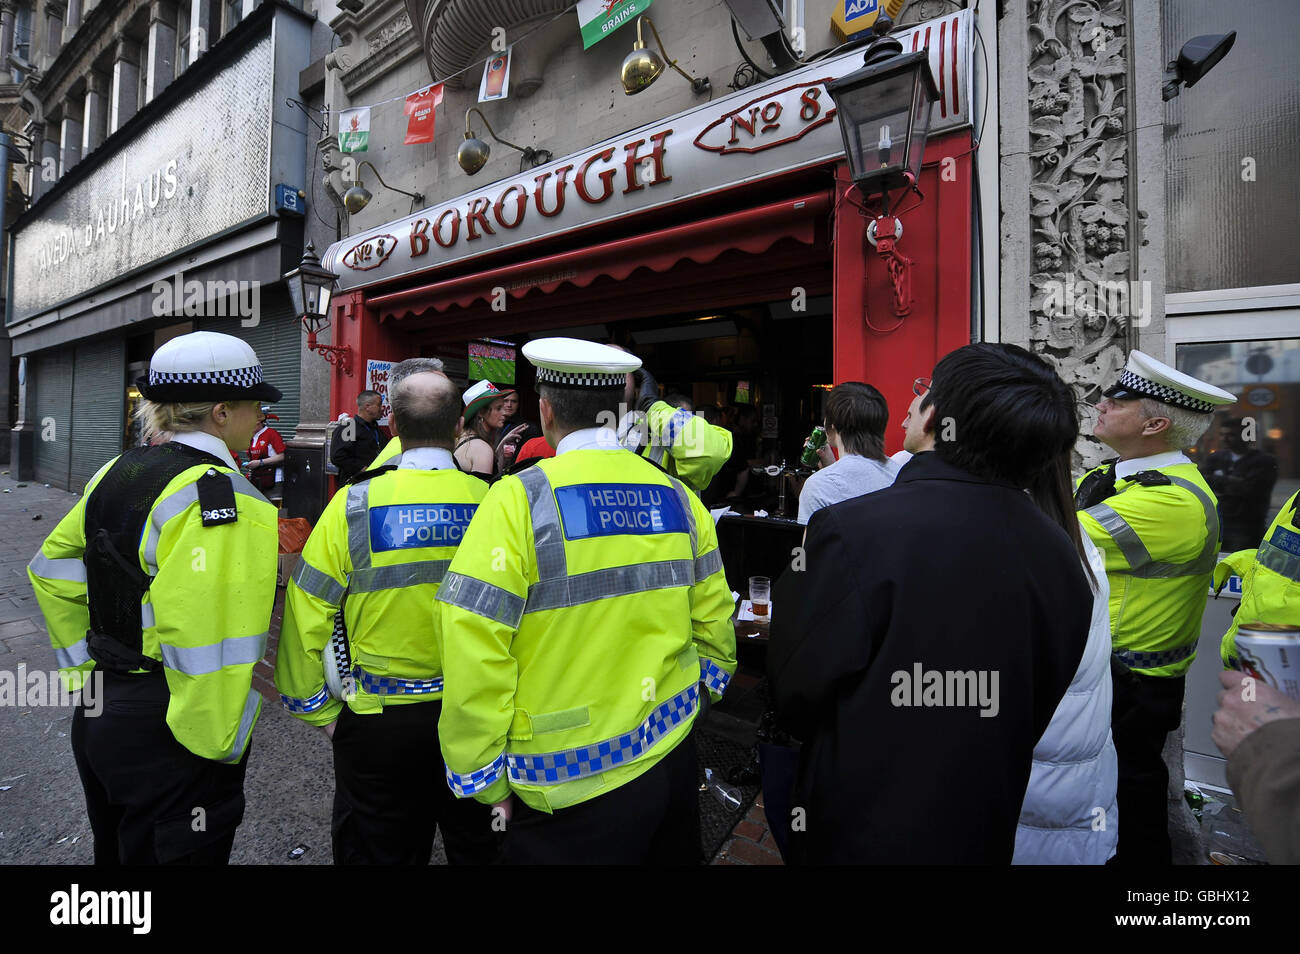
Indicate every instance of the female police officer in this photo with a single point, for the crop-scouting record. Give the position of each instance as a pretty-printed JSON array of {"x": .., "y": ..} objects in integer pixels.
[{"x": 159, "y": 586}]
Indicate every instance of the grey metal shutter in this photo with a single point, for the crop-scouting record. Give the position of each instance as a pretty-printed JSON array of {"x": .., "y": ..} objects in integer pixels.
[
  {"x": 277, "y": 339},
  {"x": 98, "y": 406},
  {"x": 53, "y": 381}
]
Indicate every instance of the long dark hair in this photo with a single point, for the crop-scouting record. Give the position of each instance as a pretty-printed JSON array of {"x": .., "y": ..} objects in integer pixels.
[
  {"x": 1051, "y": 489},
  {"x": 1003, "y": 413}
]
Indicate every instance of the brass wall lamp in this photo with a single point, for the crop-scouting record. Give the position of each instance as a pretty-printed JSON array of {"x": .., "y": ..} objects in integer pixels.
[
  {"x": 642, "y": 67},
  {"x": 358, "y": 197},
  {"x": 473, "y": 152}
]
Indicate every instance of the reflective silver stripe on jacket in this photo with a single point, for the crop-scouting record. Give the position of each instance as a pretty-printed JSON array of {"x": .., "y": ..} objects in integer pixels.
[
  {"x": 1139, "y": 557},
  {"x": 375, "y": 578},
  {"x": 481, "y": 599},
  {"x": 147, "y": 620},
  {"x": 201, "y": 660},
  {"x": 548, "y": 537},
  {"x": 1140, "y": 660},
  {"x": 177, "y": 503},
  {"x": 708, "y": 565},
  {"x": 69, "y": 569},
  {"x": 358, "y": 511},
  {"x": 78, "y": 654},
  {"x": 1273, "y": 557},
  {"x": 612, "y": 581},
  {"x": 555, "y": 588},
  {"x": 252, "y": 706},
  {"x": 316, "y": 583}
]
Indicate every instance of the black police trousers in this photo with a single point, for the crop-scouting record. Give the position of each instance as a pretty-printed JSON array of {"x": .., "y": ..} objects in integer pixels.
[
  {"x": 391, "y": 793},
  {"x": 652, "y": 820},
  {"x": 1144, "y": 711},
  {"x": 151, "y": 801}
]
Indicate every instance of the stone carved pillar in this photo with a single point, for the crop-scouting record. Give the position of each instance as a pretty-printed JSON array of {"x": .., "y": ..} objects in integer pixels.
[
  {"x": 94, "y": 112},
  {"x": 161, "y": 66},
  {"x": 125, "y": 99}
]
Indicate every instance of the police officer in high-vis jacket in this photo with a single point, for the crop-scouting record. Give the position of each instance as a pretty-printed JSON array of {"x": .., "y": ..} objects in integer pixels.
[
  {"x": 584, "y": 620},
  {"x": 380, "y": 550},
  {"x": 683, "y": 444},
  {"x": 1156, "y": 522},
  {"x": 1270, "y": 579},
  {"x": 159, "y": 586}
]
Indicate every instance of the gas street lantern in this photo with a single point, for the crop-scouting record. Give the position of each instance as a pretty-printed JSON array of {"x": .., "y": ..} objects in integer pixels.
[
  {"x": 311, "y": 286},
  {"x": 884, "y": 111}
]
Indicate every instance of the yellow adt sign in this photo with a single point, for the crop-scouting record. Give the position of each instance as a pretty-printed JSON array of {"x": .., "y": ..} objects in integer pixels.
[{"x": 854, "y": 18}]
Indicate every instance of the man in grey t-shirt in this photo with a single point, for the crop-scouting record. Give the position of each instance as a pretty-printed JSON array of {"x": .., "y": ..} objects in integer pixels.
[{"x": 856, "y": 416}]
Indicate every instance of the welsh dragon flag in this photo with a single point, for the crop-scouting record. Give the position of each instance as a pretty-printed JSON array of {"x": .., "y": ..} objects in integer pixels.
[
  {"x": 600, "y": 18},
  {"x": 354, "y": 129}
]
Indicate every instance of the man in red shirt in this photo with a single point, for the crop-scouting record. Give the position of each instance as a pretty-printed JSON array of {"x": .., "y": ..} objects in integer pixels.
[{"x": 266, "y": 458}]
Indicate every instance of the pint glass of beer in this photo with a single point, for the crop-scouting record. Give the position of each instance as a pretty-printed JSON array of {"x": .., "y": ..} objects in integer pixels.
[{"x": 760, "y": 595}]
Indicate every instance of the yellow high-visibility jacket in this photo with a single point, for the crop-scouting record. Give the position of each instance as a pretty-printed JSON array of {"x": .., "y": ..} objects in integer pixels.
[
  {"x": 1270, "y": 579},
  {"x": 391, "y": 450},
  {"x": 1160, "y": 544},
  {"x": 685, "y": 445},
  {"x": 380, "y": 550},
  {"x": 584, "y": 607},
  {"x": 206, "y": 614}
]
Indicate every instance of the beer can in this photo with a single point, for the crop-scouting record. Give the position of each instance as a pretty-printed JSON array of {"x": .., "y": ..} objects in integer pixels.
[
  {"x": 1271, "y": 653},
  {"x": 815, "y": 442}
]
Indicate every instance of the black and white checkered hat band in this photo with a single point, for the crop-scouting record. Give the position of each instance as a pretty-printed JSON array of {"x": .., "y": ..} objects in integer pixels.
[
  {"x": 585, "y": 379},
  {"x": 236, "y": 377},
  {"x": 1162, "y": 392}
]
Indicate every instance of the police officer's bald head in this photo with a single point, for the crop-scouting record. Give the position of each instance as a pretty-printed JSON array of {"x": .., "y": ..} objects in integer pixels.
[{"x": 426, "y": 410}]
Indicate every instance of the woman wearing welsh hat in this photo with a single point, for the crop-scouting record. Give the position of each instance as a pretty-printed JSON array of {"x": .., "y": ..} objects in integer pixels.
[
  {"x": 157, "y": 589},
  {"x": 485, "y": 414}
]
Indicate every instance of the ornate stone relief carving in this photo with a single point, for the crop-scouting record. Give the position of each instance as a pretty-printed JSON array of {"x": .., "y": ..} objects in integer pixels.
[
  {"x": 369, "y": 45},
  {"x": 1080, "y": 209}
]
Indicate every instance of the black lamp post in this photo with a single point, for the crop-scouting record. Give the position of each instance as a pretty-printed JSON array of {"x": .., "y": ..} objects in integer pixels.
[
  {"x": 884, "y": 111},
  {"x": 310, "y": 287}
]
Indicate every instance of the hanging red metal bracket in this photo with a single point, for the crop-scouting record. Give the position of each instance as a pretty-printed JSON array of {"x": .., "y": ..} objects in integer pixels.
[
  {"x": 883, "y": 233},
  {"x": 338, "y": 355}
]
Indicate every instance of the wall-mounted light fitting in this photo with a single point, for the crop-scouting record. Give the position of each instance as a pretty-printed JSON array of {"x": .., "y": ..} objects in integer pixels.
[
  {"x": 358, "y": 196},
  {"x": 473, "y": 152},
  {"x": 642, "y": 67}
]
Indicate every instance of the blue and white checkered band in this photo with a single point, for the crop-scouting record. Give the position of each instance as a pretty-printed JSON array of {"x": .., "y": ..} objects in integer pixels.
[
  {"x": 586, "y": 379},
  {"x": 237, "y": 377},
  {"x": 1162, "y": 392}
]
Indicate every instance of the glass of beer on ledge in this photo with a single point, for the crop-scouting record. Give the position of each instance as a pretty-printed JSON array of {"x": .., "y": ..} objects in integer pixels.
[{"x": 760, "y": 595}]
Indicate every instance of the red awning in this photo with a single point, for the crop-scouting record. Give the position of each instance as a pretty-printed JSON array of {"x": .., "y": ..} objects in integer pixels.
[{"x": 752, "y": 230}]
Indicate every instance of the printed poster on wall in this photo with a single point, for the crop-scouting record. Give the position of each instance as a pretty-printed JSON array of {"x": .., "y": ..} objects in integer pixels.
[
  {"x": 599, "y": 18},
  {"x": 377, "y": 380},
  {"x": 496, "y": 77}
]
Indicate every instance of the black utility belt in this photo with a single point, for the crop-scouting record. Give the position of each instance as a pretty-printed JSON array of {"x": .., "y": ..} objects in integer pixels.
[{"x": 113, "y": 655}]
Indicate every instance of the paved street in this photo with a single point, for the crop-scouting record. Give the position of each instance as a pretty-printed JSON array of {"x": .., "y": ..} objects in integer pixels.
[{"x": 42, "y": 814}]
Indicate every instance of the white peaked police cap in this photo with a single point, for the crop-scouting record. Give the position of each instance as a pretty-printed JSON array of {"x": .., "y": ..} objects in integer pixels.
[
  {"x": 574, "y": 363},
  {"x": 206, "y": 366},
  {"x": 1144, "y": 376}
]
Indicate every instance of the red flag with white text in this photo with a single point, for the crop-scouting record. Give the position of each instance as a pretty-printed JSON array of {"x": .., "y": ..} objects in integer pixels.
[{"x": 420, "y": 108}]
